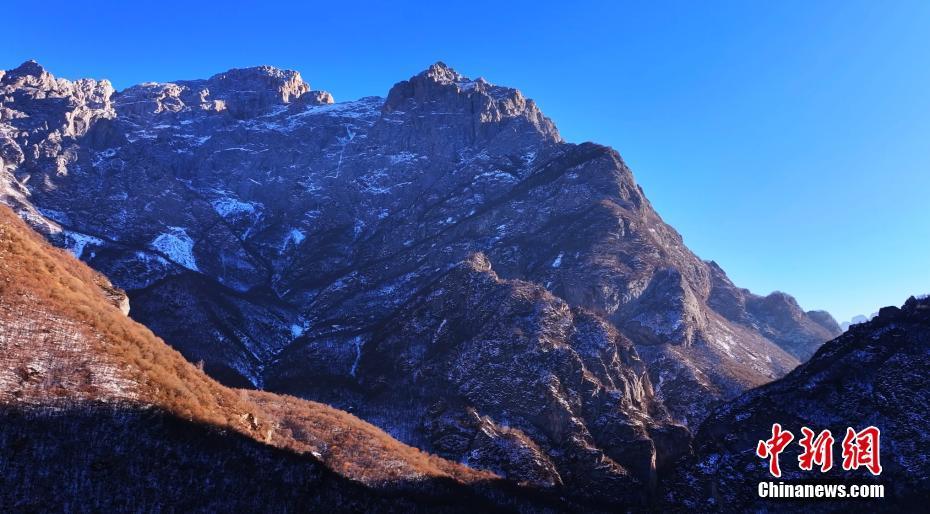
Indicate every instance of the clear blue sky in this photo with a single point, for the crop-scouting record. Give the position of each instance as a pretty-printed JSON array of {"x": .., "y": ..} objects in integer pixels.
[{"x": 789, "y": 141}]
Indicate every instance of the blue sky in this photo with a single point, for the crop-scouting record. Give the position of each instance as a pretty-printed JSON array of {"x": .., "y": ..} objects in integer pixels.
[{"x": 786, "y": 140}]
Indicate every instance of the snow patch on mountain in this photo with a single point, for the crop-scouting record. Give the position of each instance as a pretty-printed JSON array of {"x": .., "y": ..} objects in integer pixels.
[
  {"x": 358, "y": 342},
  {"x": 661, "y": 323},
  {"x": 227, "y": 206},
  {"x": 178, "y": 246},
  {"x": 76, "y": 242},
  {"x": 293, "y": 237},
  {"x": 56, "y": 216},
  {"x": 364, "y": 109},
  {"x": 402, "y": 157},
  {"x": 149, "y": 258}
]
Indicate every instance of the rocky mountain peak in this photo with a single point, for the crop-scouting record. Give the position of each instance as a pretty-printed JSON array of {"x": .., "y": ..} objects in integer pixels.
[
  {"x": 826, "y": 320},
  {"x": 777, "y": 316},
  {"x": 240, "y": 92},
  {"x": 49, "y": 114},
  {"x": 442, "y": 73},
  {"x": 30, "y": 68},
  {"x": 455, "y": 109},
  {"x": 286, "y": 85}
]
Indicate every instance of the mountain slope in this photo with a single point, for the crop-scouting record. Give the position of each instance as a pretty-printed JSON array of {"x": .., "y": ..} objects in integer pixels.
[
  {"x": 505, "y": 376},
  {"x": 874, "y": 374},
  {"x": 276, "y": 236},
  {"x": 89, "y": 400}
]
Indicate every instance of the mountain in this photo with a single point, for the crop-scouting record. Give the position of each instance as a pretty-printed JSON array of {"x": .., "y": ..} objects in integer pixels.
[
  {"x": 874, "y": 374},
  {"x": 409, "y": 258},
  {"x": 778, "y": 317},
  {"x": 505, "y": 376},
  {"x": 857, "y": 319},
  {"x": 90, "y": 400}
]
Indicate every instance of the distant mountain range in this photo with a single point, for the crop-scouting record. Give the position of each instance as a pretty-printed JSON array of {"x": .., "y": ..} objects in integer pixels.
[
  {"x": 437, "y": 262},
  {"x": 856, "y": 320}
]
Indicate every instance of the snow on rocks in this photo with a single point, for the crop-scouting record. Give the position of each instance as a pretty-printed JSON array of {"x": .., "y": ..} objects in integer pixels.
[
  {"x": 228, "y": 207},
  {"x": 76, "y": 242},
  {"x": 293, "y": 238},
  {"x": 177, "y": 246}
]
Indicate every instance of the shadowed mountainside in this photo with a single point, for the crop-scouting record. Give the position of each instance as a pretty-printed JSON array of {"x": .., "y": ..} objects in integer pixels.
[
  {"x": 874, "y": 374},
  {"x": 97, "y": 413}
]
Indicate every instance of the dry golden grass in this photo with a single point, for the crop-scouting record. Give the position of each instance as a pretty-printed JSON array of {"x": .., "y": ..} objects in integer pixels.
[
  {"x": 352, "y": 446},
  {"x": 36, "y": 277}
]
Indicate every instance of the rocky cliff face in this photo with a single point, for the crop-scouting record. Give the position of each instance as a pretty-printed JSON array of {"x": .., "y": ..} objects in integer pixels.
[
  {"x": 778, "y": 317},
  {"x": 874, "y": 374},
  {"x": 503, "y": 375},
  {"x": 289, "y": 242}
]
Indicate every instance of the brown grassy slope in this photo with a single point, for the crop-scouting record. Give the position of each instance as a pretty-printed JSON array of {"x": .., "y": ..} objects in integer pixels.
[{"x": 62, "y": 340}]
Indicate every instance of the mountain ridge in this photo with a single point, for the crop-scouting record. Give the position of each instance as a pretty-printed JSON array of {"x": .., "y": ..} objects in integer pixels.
[{"x": 272, "y": 236}]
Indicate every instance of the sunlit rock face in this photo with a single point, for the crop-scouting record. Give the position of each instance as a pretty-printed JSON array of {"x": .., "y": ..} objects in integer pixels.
[{"x": 298, "y": 244}]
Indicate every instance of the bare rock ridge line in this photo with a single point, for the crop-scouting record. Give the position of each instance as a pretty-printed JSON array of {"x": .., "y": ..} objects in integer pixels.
[{"x": 403, "y": 258}]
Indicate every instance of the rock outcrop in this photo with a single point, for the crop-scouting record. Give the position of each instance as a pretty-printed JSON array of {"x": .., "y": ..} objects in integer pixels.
[
  {"x": 778, "y": 317},
  {"x": 504, "y": 376}
]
